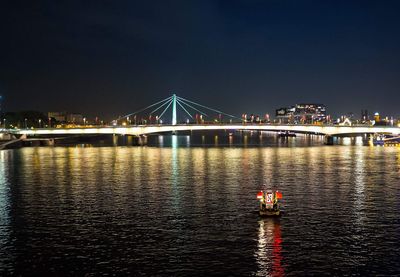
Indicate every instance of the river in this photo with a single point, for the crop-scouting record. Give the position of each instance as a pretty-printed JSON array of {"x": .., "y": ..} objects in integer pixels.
[{"x": 187, "y": 206}]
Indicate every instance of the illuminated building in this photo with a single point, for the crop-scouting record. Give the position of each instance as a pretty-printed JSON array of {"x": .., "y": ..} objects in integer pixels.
[
  {"x": 364, "y": 116},
  {"x": 58, "y": 116},
  {"x": 285, "y": 115},
  {"x": 302, "y": 113},
  {"x": 377, "y": 117},
  {"x": 64, "y": 117},
  {"x": 75, "y": 118}
]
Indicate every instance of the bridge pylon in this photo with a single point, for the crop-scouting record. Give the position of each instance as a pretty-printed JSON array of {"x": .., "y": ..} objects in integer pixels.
[{"x": 174, "y": 109}]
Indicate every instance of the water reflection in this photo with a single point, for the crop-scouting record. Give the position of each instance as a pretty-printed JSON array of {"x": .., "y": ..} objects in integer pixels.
[
  {"x": 6, "y": 253},
  {"x": 187, "y": 141},
  {"x": 269, "y": 248},
  {"x": 142, "y": 140},
  {"x": 359, "y": 194},
  {"x": 115, "y": 140},
  {"x": 359, "y": 141},
  {"x": 190, "y": 209},
  {"x": 174, "y": 142},
  {"x": 175, "y": 168},
  {"x": 161, "y": 140}
]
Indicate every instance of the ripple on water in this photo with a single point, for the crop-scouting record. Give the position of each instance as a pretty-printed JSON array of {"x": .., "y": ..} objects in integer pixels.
[{"x": 180, "y": 211}]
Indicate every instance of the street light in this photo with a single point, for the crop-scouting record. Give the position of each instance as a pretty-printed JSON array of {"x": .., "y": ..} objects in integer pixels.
[
  {"x": 84, "y": 121},
  {"x": 26, "y": 123},
  {"x": 40, "y": 123}
]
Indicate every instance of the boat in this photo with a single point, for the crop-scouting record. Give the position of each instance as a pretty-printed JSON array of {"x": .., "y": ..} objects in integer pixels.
[
  {"x": 269, "y": 206},
  {"x": 385, "y": 140},
  {"x": 286, "y": 134}
]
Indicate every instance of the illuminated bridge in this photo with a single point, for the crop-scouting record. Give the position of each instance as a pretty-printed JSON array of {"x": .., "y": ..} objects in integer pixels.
[
  {"x": 131, "y": 125},
  {"x": 152, "y": 129}
]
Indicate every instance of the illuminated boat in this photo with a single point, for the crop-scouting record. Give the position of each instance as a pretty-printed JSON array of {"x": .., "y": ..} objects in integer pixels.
[
  {"x": 385, "y": 140},
  {"x": 269, "y": 205}
]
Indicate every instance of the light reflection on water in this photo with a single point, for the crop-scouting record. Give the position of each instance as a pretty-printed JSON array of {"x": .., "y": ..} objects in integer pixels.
[
  {"x": 182, "y": 210},
  {"x": 5, "y": 241},
  {"x": 269, "y": 253}
]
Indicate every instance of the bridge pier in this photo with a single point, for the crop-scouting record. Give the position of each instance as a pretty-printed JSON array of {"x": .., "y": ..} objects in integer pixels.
[
  {"x": 328, "y": 140},
  {"x": 47, "y": 142}
]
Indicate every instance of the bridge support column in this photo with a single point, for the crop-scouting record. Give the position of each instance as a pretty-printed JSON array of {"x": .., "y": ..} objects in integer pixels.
[{"x": 328, "y": 140}]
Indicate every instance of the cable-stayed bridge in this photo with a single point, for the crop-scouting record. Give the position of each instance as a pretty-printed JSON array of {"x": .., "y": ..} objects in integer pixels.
[
  {"x": 155, "y": 119},
  {"x": 193, "y": 111}
]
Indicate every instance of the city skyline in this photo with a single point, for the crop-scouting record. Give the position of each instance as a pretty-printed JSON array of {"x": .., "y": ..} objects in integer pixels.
[
  {"x": 183, "y": 116},
  {"x": 109, "y": 59}
]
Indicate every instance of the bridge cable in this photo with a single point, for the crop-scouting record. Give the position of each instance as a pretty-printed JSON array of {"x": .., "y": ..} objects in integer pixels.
[
  {"x": 217, "y": 111},
  {"x": 141, "y": 110},
  {"x": 159, "y": 107},
  {"x": 203, "y": 113},
  {"x": 166, "y": 109},
  {"x": 184, "y": 109}
]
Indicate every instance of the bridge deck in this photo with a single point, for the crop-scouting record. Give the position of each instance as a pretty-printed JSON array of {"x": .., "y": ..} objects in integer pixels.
[{"x": 331, "y": 130}]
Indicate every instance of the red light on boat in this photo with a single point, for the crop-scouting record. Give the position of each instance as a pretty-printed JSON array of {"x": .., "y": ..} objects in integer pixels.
[
  {"x": 260, "y": 195},
  {"x": 278, "y": 195}
]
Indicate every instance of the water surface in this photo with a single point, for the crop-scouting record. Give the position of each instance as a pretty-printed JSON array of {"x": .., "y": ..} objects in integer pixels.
[{"x": 183, "y": 210}]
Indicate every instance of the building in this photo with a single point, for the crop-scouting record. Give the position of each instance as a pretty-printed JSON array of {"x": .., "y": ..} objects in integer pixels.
[
  {"x": 75, "y": 118},
  {"x": 377, "y": 117},
  {"x": 60, "y": 117},
  {"x": 364, "y": 116},
  {"x": 64, "y": 117},
  {"x": 302, "y": 114},
  {"x": 285, "y": 115},
  {"x": 310, "y": 113}
]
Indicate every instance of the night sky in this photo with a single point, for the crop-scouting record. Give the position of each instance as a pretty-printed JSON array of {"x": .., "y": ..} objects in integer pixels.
[{"x": 109, "y": 58}]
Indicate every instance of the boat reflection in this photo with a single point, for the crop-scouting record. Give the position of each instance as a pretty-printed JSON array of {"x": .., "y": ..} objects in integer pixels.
[{"x": 269, "y": 248}]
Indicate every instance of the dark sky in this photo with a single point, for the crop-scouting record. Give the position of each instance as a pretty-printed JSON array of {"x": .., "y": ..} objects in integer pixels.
[{"x": 109, "y": 58}]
